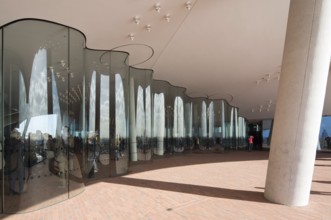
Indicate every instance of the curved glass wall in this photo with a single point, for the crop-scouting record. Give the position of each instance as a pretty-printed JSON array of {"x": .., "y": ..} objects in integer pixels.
[
  {"x": 71, "y": 115},
  {"x": 41, "y": 156}
]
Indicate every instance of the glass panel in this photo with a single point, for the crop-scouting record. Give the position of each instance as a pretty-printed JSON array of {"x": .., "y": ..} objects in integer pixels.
[
  {"x": 1, "y": 128},
  {"x": 36, "y": 69},
  {"x": 325, "y": 133}
]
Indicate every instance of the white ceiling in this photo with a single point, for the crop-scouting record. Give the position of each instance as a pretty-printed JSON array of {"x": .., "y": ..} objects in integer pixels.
[{"x": 229, "y": 49}]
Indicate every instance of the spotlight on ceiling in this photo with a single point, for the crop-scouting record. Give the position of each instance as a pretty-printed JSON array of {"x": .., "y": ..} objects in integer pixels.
[
  {"x": 157, "y": 7},
  {"x": 188, "y": 5},
  {"x": 136, "y": 19},
  {"x": 148, "y": 28},
  {"x": 167, "y": 17},
  {"x": 131, "y": 36}
]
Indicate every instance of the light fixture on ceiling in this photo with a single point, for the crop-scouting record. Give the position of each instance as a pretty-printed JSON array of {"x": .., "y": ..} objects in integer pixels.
[
  {"x": 188, "y": 5},
  {"x": 63, "y": 63},
  {"x": 167, "y": 17},
  {"x": 157, "y": 7},
  {"x": 131, "y": 36},
  {"x": 148, "y": 28},
  {"x": 136, "y": 19}
]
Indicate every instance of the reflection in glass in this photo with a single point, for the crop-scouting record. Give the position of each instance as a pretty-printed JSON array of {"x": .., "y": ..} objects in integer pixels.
[
  {"x": 38, "y": 85},
  {"x": 56, "y": 105},
  {"x": 325, "y": 133},
  {"x": 120, "y": 108},
  {"x": 266, "y": 132},
  {"x": 178, "y": 131},
  {"x": 92, "y": 104},
  {"x": 104, "y": 107},
  {"x": 141, "y": 122},
  {"x": 203, "y": 120},
  {"x": 148, "y": 112},
  {"x": 159, "y": 122},
  {"x": 188, "y": 120},
  {"x": 211, "y": 119}
]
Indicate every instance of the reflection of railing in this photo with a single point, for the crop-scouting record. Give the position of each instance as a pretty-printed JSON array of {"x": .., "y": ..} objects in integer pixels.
[
  {"x": 144, "y": 144},
  {"x": 189, "y": 143},
  {"x": 206, "y": 143}
]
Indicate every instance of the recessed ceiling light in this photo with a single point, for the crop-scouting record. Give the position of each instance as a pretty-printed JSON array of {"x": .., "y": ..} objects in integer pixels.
[
  {"x": 157, "y": 7},
  {"x": 167, "y": 17},
  {"x": 136, "y": 19},
  {"x": 188, "y": 5},
  {"x": 148, "y": 28}
]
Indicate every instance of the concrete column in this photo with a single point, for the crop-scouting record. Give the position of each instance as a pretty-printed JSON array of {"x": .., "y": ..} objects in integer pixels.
[
  {"x": 300, "y": 102},
  {"x": 133, "y": 135}
]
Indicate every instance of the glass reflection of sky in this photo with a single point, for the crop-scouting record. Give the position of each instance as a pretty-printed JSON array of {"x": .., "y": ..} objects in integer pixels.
[
  {"x": 56, "y": 104},
  {"x": 144, "y": 120},
  {"x": 178, "y": 118},
  {"x": 92, "y": 103},
  {"x": 104, "y": 106},
  {"x": 325, "y": 129},
  {"x": 203, "y": 119},
  {"x": 23, "y": 108},
  {"x": 211, "y": 120},
  {"x": 37, "y": 108},
  {"x": 188, "y": 119},
  {"x": 38, "y": 85},
  {"x": 44, "y": 123},
  {"x": 140, "y": 120},
  {"x": 148, "y": 112},
  {"x": 159, "y": 115},
  {"x": 120, "y": 107}
]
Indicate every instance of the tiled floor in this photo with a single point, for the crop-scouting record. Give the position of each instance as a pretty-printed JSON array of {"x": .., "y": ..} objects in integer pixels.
[{"x": 194, "y": 186}]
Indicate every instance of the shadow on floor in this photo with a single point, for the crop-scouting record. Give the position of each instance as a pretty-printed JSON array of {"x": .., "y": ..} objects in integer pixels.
[{"x": 208, "y": 191}]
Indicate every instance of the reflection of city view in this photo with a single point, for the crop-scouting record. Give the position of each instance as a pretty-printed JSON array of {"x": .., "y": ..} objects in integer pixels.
[{"x": 325, "y": 133}]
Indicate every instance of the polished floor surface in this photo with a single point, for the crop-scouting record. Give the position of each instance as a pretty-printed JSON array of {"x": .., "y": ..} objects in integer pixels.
[{"x": 195, "y": 186}]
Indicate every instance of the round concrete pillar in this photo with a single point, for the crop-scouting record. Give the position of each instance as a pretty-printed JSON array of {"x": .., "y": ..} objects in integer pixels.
[{"x": 300, "y": 102}]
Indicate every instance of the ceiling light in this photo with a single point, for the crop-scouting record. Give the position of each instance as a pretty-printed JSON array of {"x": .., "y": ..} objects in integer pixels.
[
  {"x": 167, "y": 17},
  {"x": 63, "y": 63},
  {"x": 136, "y": 19},
  {"x": 188, "y": 5},
  {"x": 131, "y": 36},
  {"x": 148, "y": 28},
  {"x": 157, "y": 7}
]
